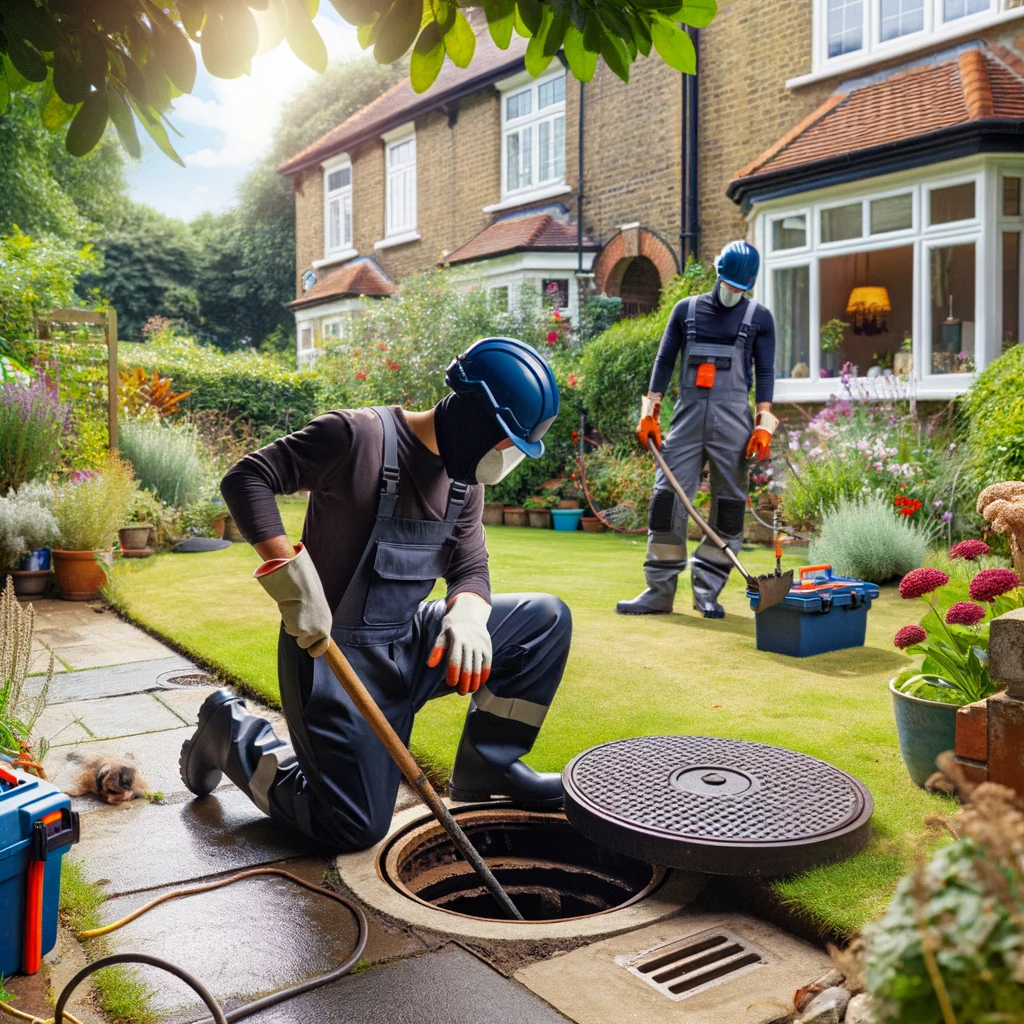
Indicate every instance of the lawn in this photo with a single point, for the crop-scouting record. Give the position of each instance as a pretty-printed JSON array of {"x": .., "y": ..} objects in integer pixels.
[{"x": 626, "y": 677}]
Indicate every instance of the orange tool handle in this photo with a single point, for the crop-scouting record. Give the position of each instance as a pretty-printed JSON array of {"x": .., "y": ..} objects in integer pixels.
[
  {"x": 811, "y": 568},
  {"x": 9, "y": 777},
  {"x": 32, "y": 948}
]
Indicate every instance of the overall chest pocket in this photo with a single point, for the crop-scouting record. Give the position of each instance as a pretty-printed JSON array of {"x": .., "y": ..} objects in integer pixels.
[
  {"x": 403, "y": 575},
  {"x": 704, "y": 363}
]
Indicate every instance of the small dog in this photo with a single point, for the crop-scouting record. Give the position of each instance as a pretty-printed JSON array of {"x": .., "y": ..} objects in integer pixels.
[{"x": 113, "y": 779}]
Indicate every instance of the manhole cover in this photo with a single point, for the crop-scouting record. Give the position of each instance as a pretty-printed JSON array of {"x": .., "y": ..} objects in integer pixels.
[
  {"x": 723, "y": 807},
  {"x": 187, "y": 678}
]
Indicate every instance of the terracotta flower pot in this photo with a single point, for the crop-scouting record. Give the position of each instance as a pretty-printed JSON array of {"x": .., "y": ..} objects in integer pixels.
[
  {"x": 134, "y": 538},
  {"x": 79, "y": 575},
  {"x": 540, "y": 518},
  {"x": 231, "y": 531},
  {"x": 29, "y": 583},
  {"x": 218, "y": 526},
  {"x": 569, "y": 503},
  {"x": 516, "y": 517},
  {"x": 494, "y": 513},
  {"x": 591, "y": 524}
]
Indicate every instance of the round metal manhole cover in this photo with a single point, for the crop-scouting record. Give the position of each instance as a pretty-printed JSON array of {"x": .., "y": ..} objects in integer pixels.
[{"x": 724, "y": 807}]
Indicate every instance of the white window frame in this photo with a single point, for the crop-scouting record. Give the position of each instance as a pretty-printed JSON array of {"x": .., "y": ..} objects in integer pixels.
[
  {"x": 807, "y": 214},
  {"x": 1004, "y": 223},
  {"x": 984, "y": 231},
  {"x": 345, "y": 249},
  {"x": 400, "y": 231},
  {"x": 936, "y": 30}
]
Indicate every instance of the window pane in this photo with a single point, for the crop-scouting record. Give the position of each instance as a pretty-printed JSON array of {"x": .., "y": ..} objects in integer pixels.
[
  {"x": 894, "y": 213},
  {"x": 512, "y": 158},
  {"x": 900, "y": 18},
  {"x": 556, "y": 291},
  {"x": 560, "y": 148},
  {"x": 334, "y": 224},
  {"x": 526, "y": 167},
  {"x": 519, "y": 104},
  {"x": 789, "y": 233},
  {"x": 953, "y": 203},
  {"x": 1011, "y": 288},
  {"x": 953, "y": 9},
  {"x": 845, "y": 26},
  {"x": 792, "y": 309},
  {"x": 551, "y": 92},
  {"x": 346, "y": 207},
  {"x": 1011, "y": 197},
  {"x": 544, "y": 151},
  {"x": 305, "y": 337},
  {"x": 952, "y": 284},
  {"x": 842, "y": 222},
  {"x": 499, "y": 296}
]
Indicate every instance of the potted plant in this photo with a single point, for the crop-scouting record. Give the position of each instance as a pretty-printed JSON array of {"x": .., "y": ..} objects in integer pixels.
[
  {"x": 954, "y": 670},
  {"x": 203, "y": 519},
  {"x": 89, "y": 510},
  {"x": 570, "y": 494},
  {"x": 903, "y": 361},
  {"x": 27, "y": 528},
  {"x": 516, "y": 516},
  {"x": 831, "y": 341},
  {"x": 538, "y": 510},
  {"x": 144, "y": 515},
  {"x": 593, "y": 524}
]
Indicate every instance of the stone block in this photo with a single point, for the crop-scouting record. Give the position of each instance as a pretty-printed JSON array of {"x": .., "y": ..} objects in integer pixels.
[
  {"x": 1006, "y": 741},
  {"x": 1006, "y": 651},
  {"x": 972, "y": 731}
]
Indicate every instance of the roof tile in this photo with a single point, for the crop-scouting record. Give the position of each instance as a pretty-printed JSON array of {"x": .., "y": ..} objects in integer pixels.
[
  {"x": 530, "y": 231},
  {"x": 362, "y": 276}
]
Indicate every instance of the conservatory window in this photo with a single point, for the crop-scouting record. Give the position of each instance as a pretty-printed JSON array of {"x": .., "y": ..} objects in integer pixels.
[
  {"x": 950, "y": 204},
  {"x": 789, "y": 233},
  {"x": 840, "y": 223},
  {"x": 891, "y": 213},
  {"x": 953, "y": 9},
  {"x": 337, "y": 208},
  {"x": 845, "y": 26},
  {"x": 306, "y": 337},
  {"x": 556, "y": 291},
  {"x": 1011, "y": 289},
  {"x": 900, "y": 18},
  {"x": 1011, "y": 196},
  {"x": 791, "y": 287},
  {"x": 330, "y": 331},
  {"x": 401, "y": 186},
  {"x": 533, "y": 136},
  {"x": 952, "y": 308}
]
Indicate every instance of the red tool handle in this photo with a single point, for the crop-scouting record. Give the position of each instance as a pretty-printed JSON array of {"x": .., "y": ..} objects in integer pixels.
[{"x": 32, "y": 947}]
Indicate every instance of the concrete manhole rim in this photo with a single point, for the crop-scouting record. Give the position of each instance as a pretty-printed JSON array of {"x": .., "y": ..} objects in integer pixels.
[{"x": 361, "y": 873}]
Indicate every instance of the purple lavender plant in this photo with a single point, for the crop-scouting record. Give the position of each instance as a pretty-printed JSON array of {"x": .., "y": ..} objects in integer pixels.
[{"x": 34, "y": 425}]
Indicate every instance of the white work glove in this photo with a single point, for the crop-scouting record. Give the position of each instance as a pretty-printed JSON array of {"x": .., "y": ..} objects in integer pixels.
[
  {"x": 464, "y": 635},
  {"x": 294, "y": 584}
]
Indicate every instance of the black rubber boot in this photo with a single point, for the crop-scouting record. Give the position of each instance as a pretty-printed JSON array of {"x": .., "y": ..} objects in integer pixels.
[
  {"x": 657, "y": 599},
  {"x": 228, "y": 741},
  {"x": 711, "y": 611},
  {"x": 487, "y": 765}
]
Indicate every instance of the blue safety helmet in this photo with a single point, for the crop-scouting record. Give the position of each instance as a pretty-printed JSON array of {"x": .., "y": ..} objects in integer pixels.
[
  {"x": 516, "y": 383},
  {"x": 738, "y": 264}
]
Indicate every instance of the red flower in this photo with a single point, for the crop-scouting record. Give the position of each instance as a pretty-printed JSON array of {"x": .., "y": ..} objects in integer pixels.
[
  {"x": 394, "y": 366},
  {"x": 382, "y": 347},
  {"x": 991, "y": 583},
  {"x": 557, "y": 315},
  {"x": 572, "y": 381},
  {"x": 969, "y": 549},
  {"x": 575, "y": 435},
  {"x": 964, "y": 613},
  {"x": 919, "y": 582},
  {"x": 908, "y": 636},
  {"x": 360, "y": 375},
  {"x": 552, "y": 337},
  {"x": 907, "y": 506}
]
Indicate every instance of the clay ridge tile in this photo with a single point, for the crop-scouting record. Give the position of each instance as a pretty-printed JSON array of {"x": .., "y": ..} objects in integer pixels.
[{"x": 975, "y": 83}]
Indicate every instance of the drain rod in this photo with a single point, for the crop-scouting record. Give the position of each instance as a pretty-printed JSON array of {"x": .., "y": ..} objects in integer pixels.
[{"x": 410, "y": 768}]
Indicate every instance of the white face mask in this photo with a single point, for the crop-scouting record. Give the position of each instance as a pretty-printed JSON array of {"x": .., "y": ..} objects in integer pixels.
[
  {"x": 727, "y": 296},
  {"x": 497, "y": 464}
]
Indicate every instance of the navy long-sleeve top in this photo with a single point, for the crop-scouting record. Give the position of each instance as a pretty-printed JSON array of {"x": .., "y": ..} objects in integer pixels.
[{"x": 719, "y": 323}]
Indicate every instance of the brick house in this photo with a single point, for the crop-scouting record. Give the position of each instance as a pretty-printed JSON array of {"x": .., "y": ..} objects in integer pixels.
[{"x": 861, "y": 144}]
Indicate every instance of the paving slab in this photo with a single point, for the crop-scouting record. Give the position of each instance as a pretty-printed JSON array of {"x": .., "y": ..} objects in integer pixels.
[
  {"x": 87, "y": 638},
  {"x": 141, "y": 845},
  {"x": 39, "y": 664},
  {"x": 591, "y": 985},
  {"x": 114, "y": 681},
  {"x": 447, "y": 987},
  {"x": 107, "y": 717},
  {"x": 255, "y": 936},
  {"x": 187, "y": 701}
]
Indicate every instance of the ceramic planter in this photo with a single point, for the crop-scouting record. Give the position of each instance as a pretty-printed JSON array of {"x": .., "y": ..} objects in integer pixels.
[
  {"x": 218, "y": 526},
  {"x": 567, "y": 519},
  {"x": 134, "y": 538},
  {"x": 79, "y": 574},
  {"x": 925, "y": 729},
  {"x": 29, "y": 583},
  {"x": 516, "y": 517},
  {"x": 494, "y": 513},
  {"x": 540, "y": 518},
  {"x": 591, "y": 524}
]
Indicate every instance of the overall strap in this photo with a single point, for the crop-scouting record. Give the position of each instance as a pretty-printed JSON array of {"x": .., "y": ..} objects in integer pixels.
[
  {"x": 748, "y": 319},
  {"x": 456, "y": 500},
  {"x": 389, "y": 465},
  {"x": 691, "y": 320}
]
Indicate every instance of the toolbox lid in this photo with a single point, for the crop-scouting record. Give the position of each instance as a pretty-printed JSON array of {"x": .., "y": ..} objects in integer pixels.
[{"x": 819, "y": 589}]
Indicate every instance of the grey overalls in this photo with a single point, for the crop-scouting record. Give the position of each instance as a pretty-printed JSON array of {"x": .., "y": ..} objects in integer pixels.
[
  {"x": 709, "y": 424},
  {"x": 338, "y": 785}
]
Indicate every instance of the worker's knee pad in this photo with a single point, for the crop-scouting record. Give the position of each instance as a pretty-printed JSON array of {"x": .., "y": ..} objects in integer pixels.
[
  {"x": 729, "y": 516},
  {"x": 662, "y": 512}
]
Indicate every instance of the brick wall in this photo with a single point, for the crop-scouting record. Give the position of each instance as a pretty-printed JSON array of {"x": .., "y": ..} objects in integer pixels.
[{"x": 309, "y": 222}]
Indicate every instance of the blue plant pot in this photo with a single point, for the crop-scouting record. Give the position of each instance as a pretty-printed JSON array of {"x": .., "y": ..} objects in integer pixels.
[
  {"x": 567, "y": 519},
  {"x": 36, "y": 561},
  {"x": 925, "y": 728}
]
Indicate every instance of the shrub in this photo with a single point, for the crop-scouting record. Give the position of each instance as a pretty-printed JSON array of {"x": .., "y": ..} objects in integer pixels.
[
  {"x": 864, "y": 537},
  {"x": 994, "y": 414},
  {"x": 18, "y": 714},
  {"x": 166, "y": 459},
  {"x": 91, "y": 507},
  {"x": 197, "y": 519},
  {"x": 620, "y": 483},
  {"x": 33, "y": 427},
  {"x": 26, "y": 524}
]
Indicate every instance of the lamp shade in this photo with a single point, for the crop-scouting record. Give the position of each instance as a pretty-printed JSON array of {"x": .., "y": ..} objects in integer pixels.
[{"x": 869, "y": 298}]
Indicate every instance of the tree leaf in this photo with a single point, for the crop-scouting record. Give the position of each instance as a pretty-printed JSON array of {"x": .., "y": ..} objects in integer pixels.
[
  {"x": 69, "y": 77},
  {"x": 698, "y": 13},
  {"x": 158, "y": 85},
  {"x": 460, "y": 41},
  {"x": 177, "y": 55},
  {"x": 121, "y": 115},
  {"x": 398, "y": 30},
  {"x": 535, "y": 59},
  {"x": 582, "y": 62},
  {"x": 641, "y": 33},
  {"x": 87, "y": 128},
  {"x": 154, "y": 128},
  {"x": 15, "y": 79},
  {"x": 229, "y": 40},
  {"x": 355, "y": 12},
  {"x": 367, "y": 34},
  {"x": 531, "y": 12},
  {"x": 555, "y": 35},
  {"x": 57, "y": 113},
  {"x": 427, "y": 58},
  {"x": 192, "y": 14},
  {"x": 674, "y": 45},
  {"x": 26, "y": 60},
  {"x": 303, "y": 38},
  {"x": 500, "y": 20},
  {"x": 615, "y": 54},
  {"x": 24, "y": 20},
  {"x": 5, "y": 89}
]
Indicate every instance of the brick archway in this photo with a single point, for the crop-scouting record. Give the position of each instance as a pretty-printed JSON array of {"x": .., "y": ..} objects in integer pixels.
[{"x": 630, "y": 245}]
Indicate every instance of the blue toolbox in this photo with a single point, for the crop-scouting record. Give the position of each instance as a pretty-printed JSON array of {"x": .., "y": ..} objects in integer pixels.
[
  {"x": 37, "y": 827},
  {"x": 821, "y": 613}
]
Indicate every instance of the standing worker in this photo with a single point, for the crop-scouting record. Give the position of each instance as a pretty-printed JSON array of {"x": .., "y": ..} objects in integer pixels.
[
  {"x": 728, "y": 345},
  {"x": 395, "y": 502}
]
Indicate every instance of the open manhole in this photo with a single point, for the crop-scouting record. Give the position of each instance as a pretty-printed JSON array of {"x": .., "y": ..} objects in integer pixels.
[
  {"x": 550, "y": 870},
  {"x": 717, "y": 806}
]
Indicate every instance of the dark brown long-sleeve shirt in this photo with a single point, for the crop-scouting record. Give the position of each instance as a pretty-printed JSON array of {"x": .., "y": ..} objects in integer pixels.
[{"x": 338, "y": 458}]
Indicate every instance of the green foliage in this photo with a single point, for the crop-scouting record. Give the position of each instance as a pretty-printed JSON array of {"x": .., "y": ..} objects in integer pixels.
[
  {"x": 146, "y": 509},
  {"x": 994, "y": 414},
  {"x": 197, "y": 519},
  {"x": 91, "y": 507},
  {"x": 620, "y": 481},
  {"x": 864, "y": 537},
  {"x": 166, "y": 459},
  {"x": 26, "y": 524},
  {"x": 33, "y": 426}
]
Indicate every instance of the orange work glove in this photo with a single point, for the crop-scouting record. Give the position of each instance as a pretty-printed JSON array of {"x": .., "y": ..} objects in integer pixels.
[
  {"x": 760, "y": 443},
  {"x": 650, "y": 411}
]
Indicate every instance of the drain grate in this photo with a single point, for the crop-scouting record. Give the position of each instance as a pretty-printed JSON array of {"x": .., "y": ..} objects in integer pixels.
[
  {"x": 187, "y": 678},
  {"x": 695, "y": 963}
]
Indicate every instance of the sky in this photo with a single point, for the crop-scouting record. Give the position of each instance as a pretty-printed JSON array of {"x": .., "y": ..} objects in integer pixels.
[{"x": 226, "y": 127}]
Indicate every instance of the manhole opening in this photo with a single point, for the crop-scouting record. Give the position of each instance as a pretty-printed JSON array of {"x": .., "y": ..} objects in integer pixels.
[
  {"x": 550, "y": 870},
  {"x": 695, "y": 963}
]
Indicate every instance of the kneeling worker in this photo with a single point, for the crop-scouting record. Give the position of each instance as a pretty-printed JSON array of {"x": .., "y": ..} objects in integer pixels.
[
  {"x": 728, "y": 345},
  {"x": 395, "y": 502}
]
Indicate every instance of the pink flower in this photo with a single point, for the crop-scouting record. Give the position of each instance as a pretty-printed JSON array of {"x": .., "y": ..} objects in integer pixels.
[
  {"x": 991, "y": 583},
  {"x": 964, "y": 613},
  {"x": 908, "y": 636},
  {"x": 969, "y": 549},
  {"x": 919, "y": 582},
  {"x": 552, "y": 337},
  {"x": 572, "y": 381}
]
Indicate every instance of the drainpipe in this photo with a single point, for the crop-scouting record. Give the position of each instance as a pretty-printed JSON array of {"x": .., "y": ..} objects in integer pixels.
[
  {"x": 689, "y": 232},
  {"x": 579, "y": 195}
]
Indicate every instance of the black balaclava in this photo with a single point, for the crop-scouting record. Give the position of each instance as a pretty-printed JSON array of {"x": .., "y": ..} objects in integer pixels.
[{"x": 466, "y": 431}]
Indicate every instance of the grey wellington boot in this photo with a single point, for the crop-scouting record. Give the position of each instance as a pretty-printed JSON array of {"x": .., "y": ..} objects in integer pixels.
[{"x": 657, "y": 599}]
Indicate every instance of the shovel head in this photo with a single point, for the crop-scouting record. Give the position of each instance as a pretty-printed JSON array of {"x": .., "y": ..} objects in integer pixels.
[{"x": 772, "y": 590}]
